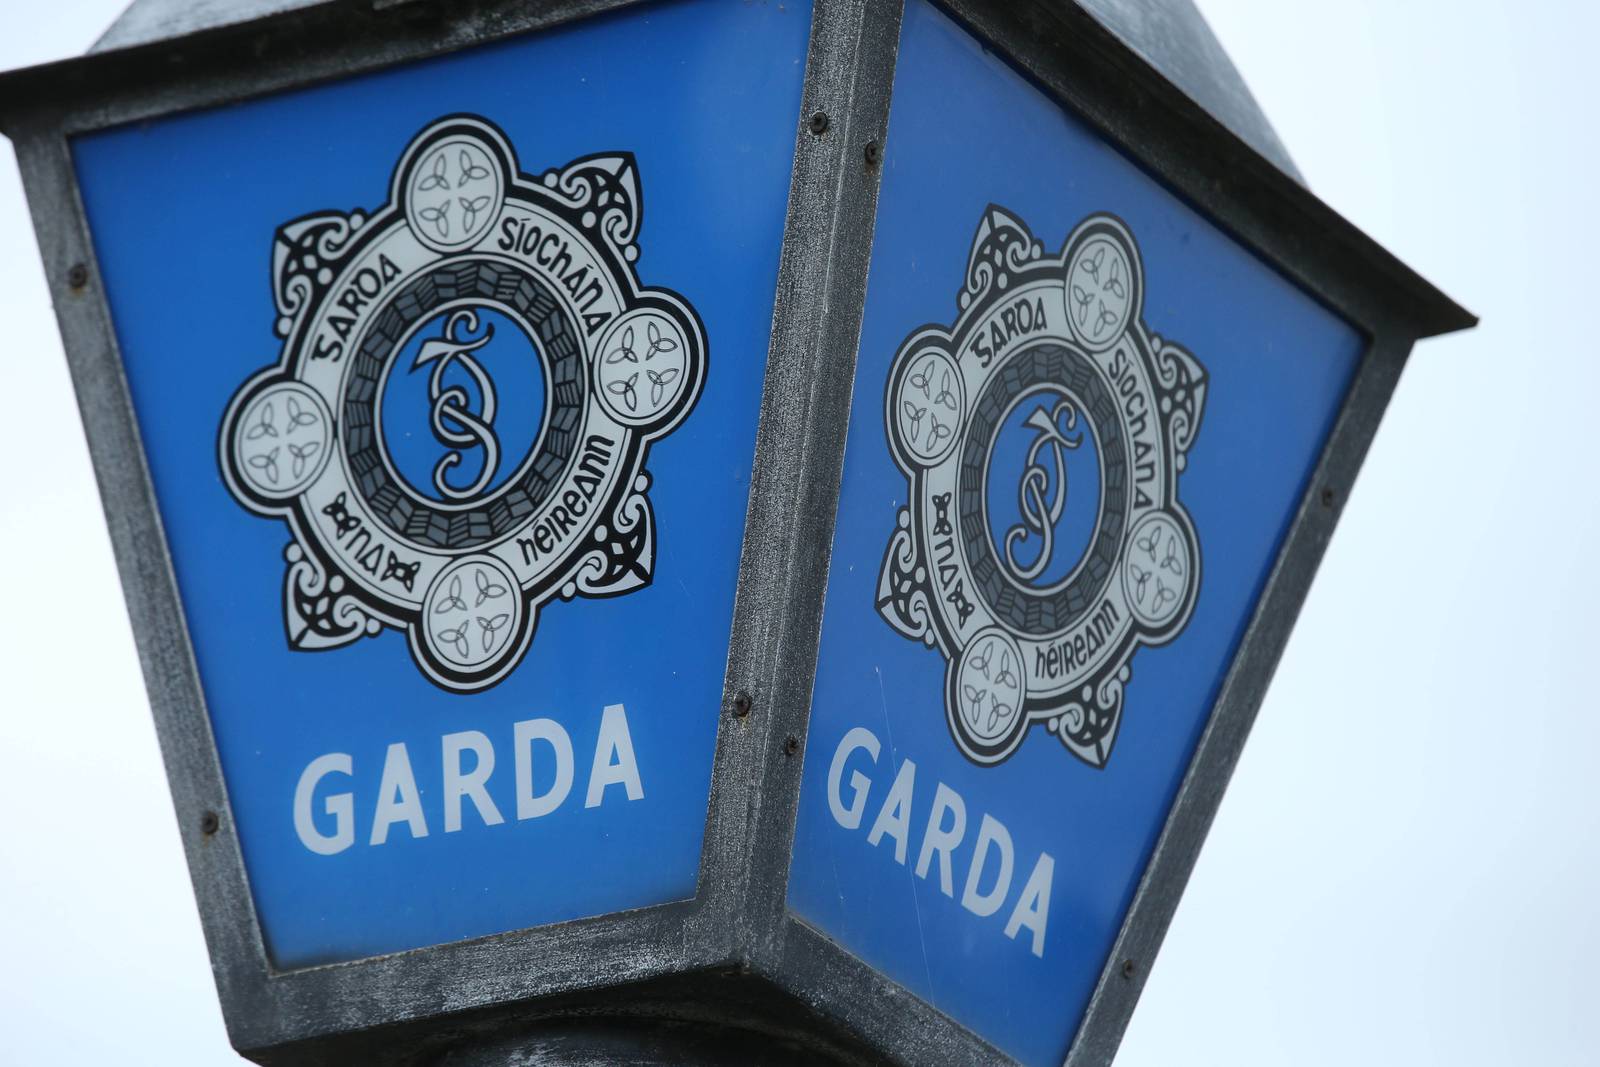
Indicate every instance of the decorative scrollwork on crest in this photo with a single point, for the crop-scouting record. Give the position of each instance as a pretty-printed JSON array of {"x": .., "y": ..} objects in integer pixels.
[
  {"x": 319, "y": 611},
  {"x": 605, "y": 190},
  {"x": 902, "y": 585},
  {"x": 307, "y": 254},
  {"x": 1181, "y": 385},
  {"x": 1002, "y": 246},
  {"x": 624, "y": 556}
]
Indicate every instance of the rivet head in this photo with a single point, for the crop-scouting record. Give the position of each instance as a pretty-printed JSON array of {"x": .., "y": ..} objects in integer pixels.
[
  {"x": 741, "y": 704},
  {"x": 819, "y": 123},
  {"x": 1127, "y": 968},
  {"x": 791, "y": 745},
  {"x": 78, "y": 275},
  {"x": 209, "y": 822},
  {"x": 1327, "y": 498},
  {"x": 874, "y": 153}
]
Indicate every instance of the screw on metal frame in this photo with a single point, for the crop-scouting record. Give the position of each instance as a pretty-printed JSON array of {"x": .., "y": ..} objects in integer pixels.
[
  {"x": 78, "y": 276},
  {"x": 1127, "y": 969},
  {"x": 791, "y": 745},
  {"x": 819, "y": 123},
  {"x": 741, "y": 704},
  {"x": 874, "y": 153},
  {"x": 210, "y": 822},
  {"x": 1327, "y": 498}
]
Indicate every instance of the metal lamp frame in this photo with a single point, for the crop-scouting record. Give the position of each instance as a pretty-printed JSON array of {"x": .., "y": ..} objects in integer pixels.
[{"x": 733, "y": 955}]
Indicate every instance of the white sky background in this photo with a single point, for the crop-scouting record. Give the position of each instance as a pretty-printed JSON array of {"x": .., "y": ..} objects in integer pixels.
[{"x": 1407, "y": 865}]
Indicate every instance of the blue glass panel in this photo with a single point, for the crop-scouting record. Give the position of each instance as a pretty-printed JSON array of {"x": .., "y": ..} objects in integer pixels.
[
  {"x": 546, "y": 531},
  {"x": 1083, "y": 419}
]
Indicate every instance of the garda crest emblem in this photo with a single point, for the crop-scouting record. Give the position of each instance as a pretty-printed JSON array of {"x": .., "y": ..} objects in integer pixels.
[
  {"x": 456, "y": 429},
  {"x": 1043, "y": 541}
]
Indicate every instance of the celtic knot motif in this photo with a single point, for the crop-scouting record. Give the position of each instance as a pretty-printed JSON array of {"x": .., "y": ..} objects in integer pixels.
[
  {"x": 300, "y": 452},
  {"x": 927, "y": 405},
  {"x": 641, "y": 373},
  {"x": 453, "y": 603},
  {"x": 1101, "y": 281},
  {"x": 1158, "y": 569},
  {"x": 455, "y": 192},
  {"x": 471, "y": 173},
  {"x": 658, "y": 379},
  {"x": 472, "y": 607},
  {"x": 922, "y": 381},
  {"x": 1152, "y": 546},
  {"x": 284, "y": 438},
  {"x": 1004, "y": 682},
  {"x": 1102, "y": 287}
]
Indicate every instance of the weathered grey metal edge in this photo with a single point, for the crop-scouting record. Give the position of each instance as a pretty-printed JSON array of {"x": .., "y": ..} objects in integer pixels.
[
  {"x": 288, "y": 49},
  {"x": 1086, "y": 67},
  {"x": 1174, "y": 37},
  {"x": 728, "y": 1003},
  {"x": 882, "y": 1013},
  {"x": 799, "y": 461},
  {"x": 147, "y": 21},
  {"x": 139, "y": 544},
  {"x": 1219, "y": 748}
]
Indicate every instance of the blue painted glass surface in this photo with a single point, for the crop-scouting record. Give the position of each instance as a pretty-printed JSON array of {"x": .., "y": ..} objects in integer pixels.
[
  {"x": 183, "y": 211},
  {"x": 965, "y": 132}
]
